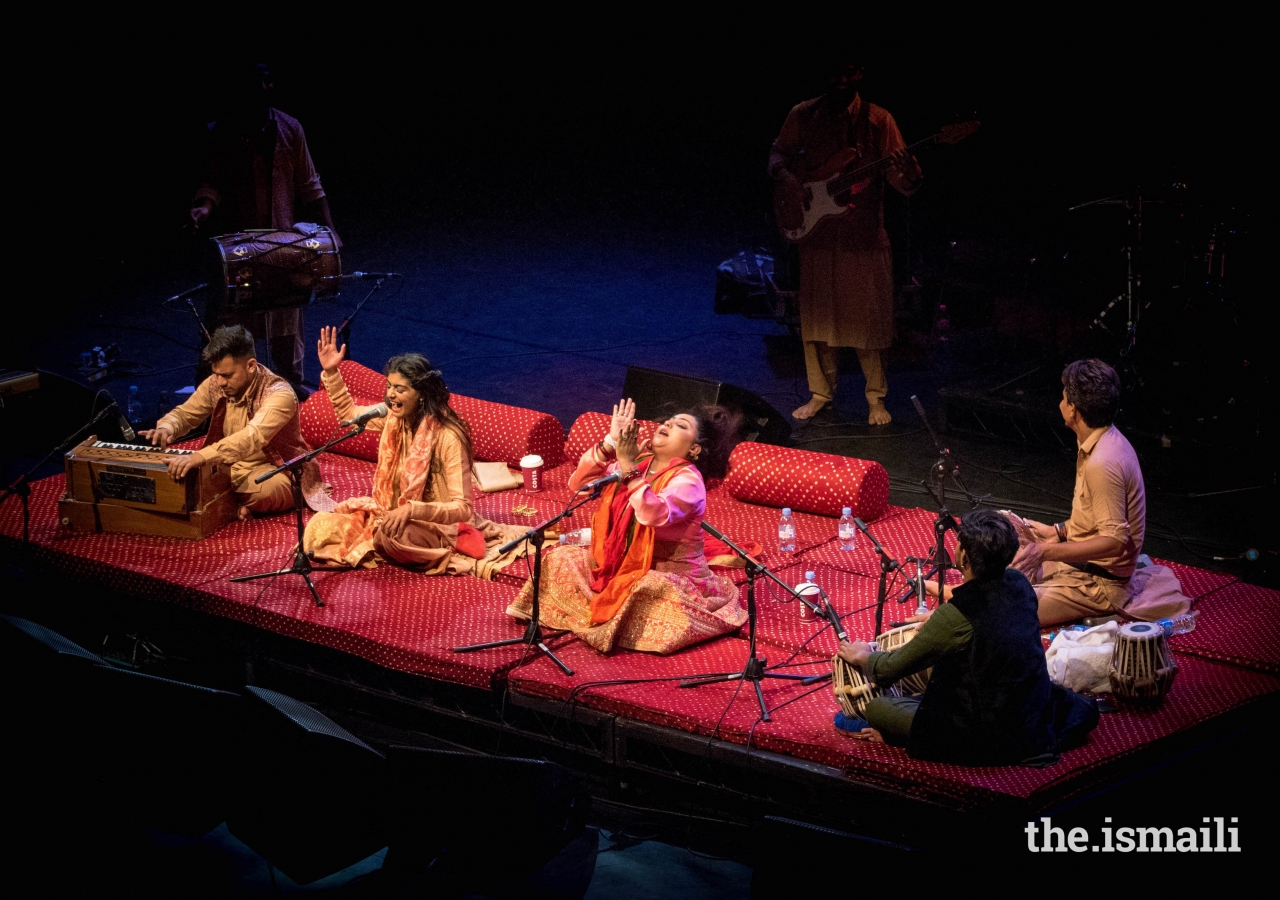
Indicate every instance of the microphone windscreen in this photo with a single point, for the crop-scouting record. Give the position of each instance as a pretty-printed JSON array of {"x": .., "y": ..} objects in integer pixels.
[{"x": 380, "y": 411}]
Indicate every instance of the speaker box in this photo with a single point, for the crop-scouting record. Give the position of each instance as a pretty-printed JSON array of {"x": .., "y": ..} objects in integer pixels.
[
  {"x": 310, "y": 795},
  {"x": 660, "y": 395},
  {"x": 456, "y": 813},
  {"x": 160, "y": 750}
]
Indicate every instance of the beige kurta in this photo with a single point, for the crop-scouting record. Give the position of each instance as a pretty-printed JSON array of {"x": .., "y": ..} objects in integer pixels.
[
  {"x": 428, "y": 540},
  {"x": 846, "y": 268},
  {"x": 244, "y": 447}
]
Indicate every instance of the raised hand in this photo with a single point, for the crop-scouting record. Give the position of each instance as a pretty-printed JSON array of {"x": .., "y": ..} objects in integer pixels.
[
  {"x": 628, "y": 445},
  {"x": 624, "y": 413},
  {"x": 329, "y": 351}
]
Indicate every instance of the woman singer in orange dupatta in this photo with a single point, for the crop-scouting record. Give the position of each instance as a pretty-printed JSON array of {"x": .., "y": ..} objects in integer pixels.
[
  {"x": 644, "y": 583},
  {"x": 420, "y": 512}
]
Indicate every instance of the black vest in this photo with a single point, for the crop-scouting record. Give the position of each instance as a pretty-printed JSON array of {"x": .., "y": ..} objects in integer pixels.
[{"x": 992, "y": 702}]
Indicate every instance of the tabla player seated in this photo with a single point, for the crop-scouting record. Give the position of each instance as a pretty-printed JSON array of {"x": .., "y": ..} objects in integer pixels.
[
  {"x": 253, "y": 427},
  {"x": 989, "y": 699},
  {"x": 420, "y": 513},
  {"x": 644, "y": 583}
]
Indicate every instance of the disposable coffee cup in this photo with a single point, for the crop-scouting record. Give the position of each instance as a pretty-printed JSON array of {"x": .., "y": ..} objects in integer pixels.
[{"x": 531, "y": 467}]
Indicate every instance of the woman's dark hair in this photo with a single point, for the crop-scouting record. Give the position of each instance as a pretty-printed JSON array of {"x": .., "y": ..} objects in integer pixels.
[
  {"x": 433, "y": 394},
  {"x": 989, "y": 540},
  {"x": 229, "y": 340},
  {"x": 717, "y": 435},
  {"x": 1093, "y": 388}
]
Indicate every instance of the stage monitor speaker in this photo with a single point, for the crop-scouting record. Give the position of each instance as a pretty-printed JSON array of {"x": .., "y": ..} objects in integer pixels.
[
  {"x": 660, "y": 395},
  {"x": 160, "y": 750},
  {"x": 310, "y": 796},
  {"x": 522, "y": 811}
]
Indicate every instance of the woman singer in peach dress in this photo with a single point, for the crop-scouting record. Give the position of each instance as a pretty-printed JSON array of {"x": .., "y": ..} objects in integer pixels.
[
  {"x": 643, "y": 583},
  {"x": 420, "y": 512}
]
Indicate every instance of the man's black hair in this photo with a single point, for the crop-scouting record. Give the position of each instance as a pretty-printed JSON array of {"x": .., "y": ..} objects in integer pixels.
[
  {"x": 230, "y": 340},
  {"x": 989, "y": 540},
  {"x": 1093, "y": 388}
]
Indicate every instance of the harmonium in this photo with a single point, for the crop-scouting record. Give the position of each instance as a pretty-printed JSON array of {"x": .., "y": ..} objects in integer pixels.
[{"x": 126, "y": 488}]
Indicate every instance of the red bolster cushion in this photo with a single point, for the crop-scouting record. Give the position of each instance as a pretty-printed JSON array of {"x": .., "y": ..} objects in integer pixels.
[
  {"x": 590, "y": 428},
  {"x": 499, "y": 433},
  {"x": 820, "y": 483}
]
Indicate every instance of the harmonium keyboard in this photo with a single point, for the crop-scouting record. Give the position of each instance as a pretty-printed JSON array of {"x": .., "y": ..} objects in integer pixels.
[{"x": 126, "y": 488}]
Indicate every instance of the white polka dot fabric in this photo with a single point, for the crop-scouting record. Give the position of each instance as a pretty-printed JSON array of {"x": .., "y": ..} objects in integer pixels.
[
  {"x": 499, "y": 433},
  {"x": 409, "y": 622},
  {"x": 812, "y": 482}
]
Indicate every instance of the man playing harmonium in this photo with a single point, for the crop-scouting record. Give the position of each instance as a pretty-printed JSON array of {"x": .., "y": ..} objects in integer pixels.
[{"x": 253, "y": 427}]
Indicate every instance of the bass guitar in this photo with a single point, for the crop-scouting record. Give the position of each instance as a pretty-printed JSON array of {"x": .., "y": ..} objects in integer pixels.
[{"x": 837, "y": 181}]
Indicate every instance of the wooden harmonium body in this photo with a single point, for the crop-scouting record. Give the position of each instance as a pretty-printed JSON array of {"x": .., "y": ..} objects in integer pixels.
[{"x": 126, "y": 488}]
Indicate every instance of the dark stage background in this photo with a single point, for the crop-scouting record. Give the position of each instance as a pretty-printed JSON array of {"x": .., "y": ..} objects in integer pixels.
[{"x": 560, "y": 216}]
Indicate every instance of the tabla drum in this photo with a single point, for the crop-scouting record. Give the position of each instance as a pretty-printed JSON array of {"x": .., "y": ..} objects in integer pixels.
[
  {"x": 852, "y": 689},
  {"x": 1142, "y": 666},
  {"x": 916, "y": 682},
  {"x": 267, "y": 270}
]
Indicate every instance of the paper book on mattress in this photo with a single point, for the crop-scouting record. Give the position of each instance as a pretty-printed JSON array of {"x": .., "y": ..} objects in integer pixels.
[{"x": 495, "y": 476}]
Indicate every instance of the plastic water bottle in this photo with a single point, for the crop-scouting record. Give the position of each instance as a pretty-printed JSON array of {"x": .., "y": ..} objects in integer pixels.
[
  {"x": 1178, "y": 624},
  {"x": 786, "y": 532},
  {"x": 807, "y": 588},
  {"x": 847, "y": 531},
  {"x": 579, "y": 538},
  {"x": 133, "y": 409}
]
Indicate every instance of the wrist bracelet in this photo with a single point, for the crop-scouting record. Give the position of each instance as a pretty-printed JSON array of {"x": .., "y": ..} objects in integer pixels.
[
  {"x": 1061, "y": 529},
  {"x": 627, "y": 476}
]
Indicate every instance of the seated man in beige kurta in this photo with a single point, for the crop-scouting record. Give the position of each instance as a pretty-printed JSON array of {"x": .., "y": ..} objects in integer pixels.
[
  {"x": 846, "y": 267},
  {"x": 253, "y": 426},
  {"x": 1091, "y": 565}
]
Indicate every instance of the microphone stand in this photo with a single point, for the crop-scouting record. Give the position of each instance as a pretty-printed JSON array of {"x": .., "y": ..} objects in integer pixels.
[
  {"x": 22, "y": 484},
  {"x": 344, "y": 330},
  {"x": 755, "y": 671},
  {"x": 943, "y": 468},
  {"x": 533, "y": 635},
  {"x": 302, "y": 564},
  {"x": 887, "y": 564}
]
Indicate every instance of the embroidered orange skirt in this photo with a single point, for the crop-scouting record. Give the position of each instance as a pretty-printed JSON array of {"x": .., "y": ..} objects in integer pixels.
[{"x": 673, "y": 605}]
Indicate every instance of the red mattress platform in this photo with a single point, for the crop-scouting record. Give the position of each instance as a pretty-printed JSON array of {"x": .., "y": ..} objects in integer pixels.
[{"x": 409, "y": 623}]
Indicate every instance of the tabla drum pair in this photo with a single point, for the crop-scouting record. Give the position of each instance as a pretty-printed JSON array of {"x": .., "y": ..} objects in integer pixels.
[
  {"x": 1142, "y": 666},
  {"x": 268, "y": 270},
  {"x": 852, "y": 689}
]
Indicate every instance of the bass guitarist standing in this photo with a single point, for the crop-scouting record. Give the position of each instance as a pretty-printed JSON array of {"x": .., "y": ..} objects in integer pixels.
[{"x": 846, "y": 267}]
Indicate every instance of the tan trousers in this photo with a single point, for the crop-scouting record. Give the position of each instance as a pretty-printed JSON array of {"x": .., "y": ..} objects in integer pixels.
[
  {"x": 822, "y": 364},
  {"x": 275, "y": 495},
  {"x": 1066, "y": 594}
]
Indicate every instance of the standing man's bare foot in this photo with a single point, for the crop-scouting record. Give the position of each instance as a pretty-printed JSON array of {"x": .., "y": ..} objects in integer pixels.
[
  {"x": 244, "y": 514},
  {"x": 810, "y": 409},
  {"x": 879, "y": 415}
]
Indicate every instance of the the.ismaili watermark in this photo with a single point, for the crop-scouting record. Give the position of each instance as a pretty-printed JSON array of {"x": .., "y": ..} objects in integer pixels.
[{"x": 1215, "y": 836}]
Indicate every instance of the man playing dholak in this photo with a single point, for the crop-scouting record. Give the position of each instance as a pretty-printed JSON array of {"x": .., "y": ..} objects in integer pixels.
[
  {"x": 253, "y": 427},
  {"x": 846, "y": 267}
]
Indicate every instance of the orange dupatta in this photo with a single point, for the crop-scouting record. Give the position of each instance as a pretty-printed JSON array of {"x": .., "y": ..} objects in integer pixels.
[{"x": 638, "y": 558}]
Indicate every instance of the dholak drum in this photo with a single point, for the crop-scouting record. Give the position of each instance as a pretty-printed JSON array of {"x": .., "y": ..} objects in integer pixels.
[
  {"x": 269, "y": 270},
  {"x": 916, "y": 682},
  {"x": 1142, "y": 667},
  {"x": 852, "y": 689}
]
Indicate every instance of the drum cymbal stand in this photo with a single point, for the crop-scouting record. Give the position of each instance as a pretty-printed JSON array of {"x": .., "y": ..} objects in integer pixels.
[
  {"x": 943, "y": 468},
  {"x": 302, "y": 562},
  {"x": 755, "y": 670}
]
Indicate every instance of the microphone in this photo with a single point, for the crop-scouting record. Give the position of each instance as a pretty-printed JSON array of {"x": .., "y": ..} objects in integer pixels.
[
  {"x": 1251, "y": 555},
  {"x": 601, "y": 482},
  {"x": 712, "y": 530},
  {"x": 126, "y": 430},
  {"x": 371, "y": 276},
  {"x": 363, "y": 419}
]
